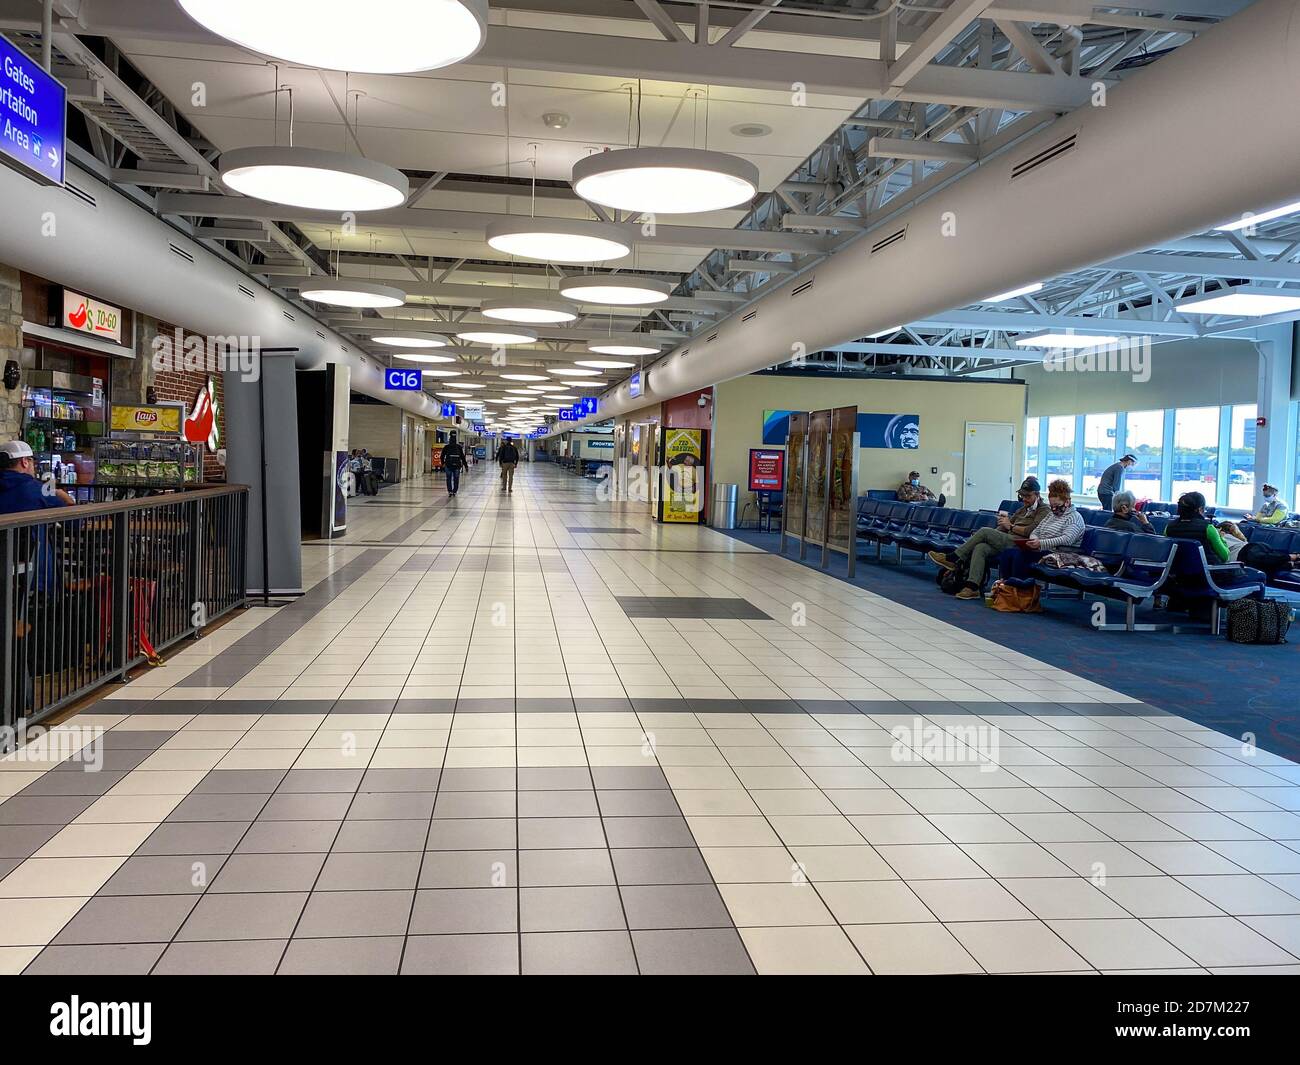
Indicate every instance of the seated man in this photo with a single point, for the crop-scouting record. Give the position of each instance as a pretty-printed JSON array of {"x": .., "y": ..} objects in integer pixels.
[
  {"x": 1273, "y": 512},
  {"x": 1126, "y": 516},
  {"x": 976, "y": 553},
  {"x": 913, "y": 491},
  {"x": 1063, "y": 528}
]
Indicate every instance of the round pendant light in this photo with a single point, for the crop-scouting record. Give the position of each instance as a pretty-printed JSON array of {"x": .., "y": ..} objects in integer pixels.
[
  {"x": 390, "y": 37},
  {"x": 411, "y": 356},
  {"x": 624, "y": 344},
  {"x": 549, "y": 388},
  {"x": 522, "y": 377},
  {"x": 438, "y": 373},
  {"x": 412, "y": 340},
  {"x": 560, "y": 240},
  {"x": 608, "y": 364},
  {"x": 455, "y": 395},
  {"x": 497, "y": 337},
  {"x": 615, "y": 289},
  {"x": 313, "y": 178},
  {"x": 572, "y": 371},
  {"x": 665, "y": 180},
  {"x": 529, "y": 310},
  {"x": 345, "y": 292},
  {"x": 596, "y": 383}
]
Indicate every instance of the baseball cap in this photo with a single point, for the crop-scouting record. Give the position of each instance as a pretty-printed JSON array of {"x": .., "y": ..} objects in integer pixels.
[
  {"x": 1129, "y": 458},
  {"x": 1030, "y": 484},
  {"x": 16, "y": 449}
]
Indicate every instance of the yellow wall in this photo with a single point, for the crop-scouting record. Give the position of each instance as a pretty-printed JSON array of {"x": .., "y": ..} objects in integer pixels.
[{"x": 944, "y": 407}]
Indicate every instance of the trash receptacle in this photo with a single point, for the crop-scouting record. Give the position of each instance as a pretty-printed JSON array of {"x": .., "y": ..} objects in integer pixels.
[{"x": 724, "y": 506}]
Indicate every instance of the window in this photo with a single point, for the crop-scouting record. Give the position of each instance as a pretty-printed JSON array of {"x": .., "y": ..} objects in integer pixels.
[
  {"x": 1098, "y": 449},
  {"x": 1144, "y": 440},
  {"x": 1060, "y": 450},
  {"x": 1241, "y": 457},
  {"x": 1196, "y": 451},
  {"x": 1031, "y": 447}
]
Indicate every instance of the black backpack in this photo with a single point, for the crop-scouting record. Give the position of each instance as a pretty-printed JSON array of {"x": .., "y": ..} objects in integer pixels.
[
  {"x": 951, "y": 581},
  {"x": 1258, "y": 621}
]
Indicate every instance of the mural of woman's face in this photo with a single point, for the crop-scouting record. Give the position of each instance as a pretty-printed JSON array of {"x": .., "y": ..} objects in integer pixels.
[{"x": 910, "y": 435}]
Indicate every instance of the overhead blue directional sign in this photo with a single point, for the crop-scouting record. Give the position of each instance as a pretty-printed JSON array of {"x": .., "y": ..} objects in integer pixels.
[
  {"x": 590, "y": 404},
  {"x": 33, "y": 111},
  {"x": 398, "y": 380},
  {"x": 449, "y": 410}
]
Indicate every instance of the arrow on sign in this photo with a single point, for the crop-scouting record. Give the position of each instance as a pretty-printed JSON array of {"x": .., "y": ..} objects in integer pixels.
[{"x": 54, "y": 156}]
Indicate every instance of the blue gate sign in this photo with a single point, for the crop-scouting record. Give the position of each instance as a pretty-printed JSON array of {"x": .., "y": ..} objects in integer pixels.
[
  {"x": 449, "y": 410},
  {"x": 589, "y": 404},
  {"x": 398, "y": 380},
  {"x": 33, "y": 110}
]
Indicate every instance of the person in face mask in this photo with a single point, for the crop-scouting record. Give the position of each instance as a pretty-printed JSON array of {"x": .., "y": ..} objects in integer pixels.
[
  {"x": 1273, "y": 512},
  {"x": 913, "y": 491}
]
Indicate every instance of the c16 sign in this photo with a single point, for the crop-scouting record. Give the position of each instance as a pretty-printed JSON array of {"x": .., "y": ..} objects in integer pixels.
[
  {"x": 399, "y": 380},
  {"x": 33, "y": 111}
]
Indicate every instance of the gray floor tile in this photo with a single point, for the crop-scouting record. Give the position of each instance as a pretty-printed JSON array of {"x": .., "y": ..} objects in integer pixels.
[
  {"x": 22, "y": 841},
  {"x": 118, "y": 959},
  {"x": 370, "y": 871},
  {"x": 261, "y": 915},
  {"x": 675, "y": 906},
  {"x": 461, "y": 955},
  {"x": 475, "y": 804},
  {"x": 370, "y": 956},
  {"x": 635, "y": 777},
  {"x": 495, "y": 779},
  {"x": 43, "y": 809},
  {"x": 73, "y": 783},
  {"x": 355, "y": 913},
  {"x": 268, "y": 872},
  {"x": 559, "y": 803},
  {"x": 542, "y": 833},
  {"x": 468, "y": 869},
  {"x": 657, "y": 802},
  {"x": 660, "y": 865},
  {"x": 247, "y": 958},
  {"x": 391, "y": 806},
  {"x": 235, "y": 781},
  {"x": 697, "y": 952},
  {"x": 570, "y": 909},
  {"x": 321, "y": 780},
  {"x": 388, "y": 780},
  {"x": 381, "y": 836},
  {"x": 456, "y": 910},
  {"x": 180, "y": 874},
  {"x": 565, "y": 868},
  {"x": 306, "y": 806},
  {"x": 127, "y": 919},
  {"x": 577, "y": 953},
  {"x": 287, "y": 837},
  {"x": 208, "y": 837},
  {"x": 463, "y": 834},
  {"x": 218, "y": 807},
  {"x": 554, "y": 778},
  {"x": 7, "y": 865},
  {"x": 648, "y": 832}
]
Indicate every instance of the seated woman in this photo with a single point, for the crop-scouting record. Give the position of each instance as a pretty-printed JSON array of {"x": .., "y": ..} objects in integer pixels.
[
  {"x": 1192, "y": 524},
  {"x": 1126, "y": 516},
  {"x": 1273, "y": 512},
  {"x": 1063, "y": 527},
  {"x": 1258, "y": 556}
]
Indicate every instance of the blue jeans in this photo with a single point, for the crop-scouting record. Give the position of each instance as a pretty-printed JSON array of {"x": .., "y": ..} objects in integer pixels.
[
  {"x": 453, "y": 479},
  {"x": 1016, "y": 563}
]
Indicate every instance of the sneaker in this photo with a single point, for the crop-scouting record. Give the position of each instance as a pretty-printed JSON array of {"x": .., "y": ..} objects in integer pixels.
[
  {"x": 941, "y": 558},
  {"x": 968, "y": 592}
]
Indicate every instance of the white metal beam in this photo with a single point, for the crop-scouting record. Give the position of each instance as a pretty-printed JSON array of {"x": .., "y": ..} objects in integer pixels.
[
  {"x": 663, "y": 21},
  {"x": 919, "y": 148},
  {"x": 1203, "y": 266},
  {"x": 937, "y": 35}
]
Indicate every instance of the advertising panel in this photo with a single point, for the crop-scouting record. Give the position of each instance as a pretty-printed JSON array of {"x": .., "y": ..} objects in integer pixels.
[
  {"x": 90, "y": 316},
  {"x": 796, "y": 457},
  {"x": 819, "y": 438},
  {"x": 766, "y": 470},
  {"x": 843, "y": 496},
  {"x": 681, "y": 461},
  {"x": 157, "y": 418},
  {"x": 890, "y": 430}
]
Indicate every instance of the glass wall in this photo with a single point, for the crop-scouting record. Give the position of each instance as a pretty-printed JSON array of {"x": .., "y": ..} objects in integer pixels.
[
  {"x": 1098, "y": 448},
  {"x": 1241, "y": 457},
  {"x": 1196, "y": 451},
  {"x": 1031, "y": 448},
  {"x": 1060, "y": 450},
  {"x": 1144, "y": 439}
]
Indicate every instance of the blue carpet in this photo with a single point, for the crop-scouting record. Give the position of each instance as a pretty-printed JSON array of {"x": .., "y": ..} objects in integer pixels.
[{"x": 1233, "y": 688}]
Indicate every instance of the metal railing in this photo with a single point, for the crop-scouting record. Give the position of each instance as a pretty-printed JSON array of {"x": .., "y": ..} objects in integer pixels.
[{"x": 91, "y": 591}]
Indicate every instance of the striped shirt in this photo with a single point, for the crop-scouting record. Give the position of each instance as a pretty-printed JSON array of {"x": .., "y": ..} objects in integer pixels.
[{"x": 1063, "y": 530}]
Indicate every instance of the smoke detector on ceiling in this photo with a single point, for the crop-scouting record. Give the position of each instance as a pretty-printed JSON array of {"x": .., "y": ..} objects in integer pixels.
[
  {"x": 751, "y": 129},
  {"x": 555, "y": 119}
]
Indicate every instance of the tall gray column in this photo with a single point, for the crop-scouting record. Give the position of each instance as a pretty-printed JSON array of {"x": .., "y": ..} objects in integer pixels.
[{"x": 1273, "y": 458}]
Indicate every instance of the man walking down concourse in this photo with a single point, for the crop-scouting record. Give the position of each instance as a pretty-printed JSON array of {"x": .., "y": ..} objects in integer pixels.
[
  {"x": 453, "y": 461},
  {"x": 508, "y": 456}
]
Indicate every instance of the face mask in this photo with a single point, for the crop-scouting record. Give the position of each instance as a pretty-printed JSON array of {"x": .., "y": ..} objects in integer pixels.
[
  {"x": 1270, "y": 496},
  {"x": 916, "y": 480},
  {"x": 1059, "y": 508}
]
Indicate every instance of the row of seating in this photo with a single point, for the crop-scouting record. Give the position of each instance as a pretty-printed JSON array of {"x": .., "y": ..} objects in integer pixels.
[{"x": 1139, "y": 565}]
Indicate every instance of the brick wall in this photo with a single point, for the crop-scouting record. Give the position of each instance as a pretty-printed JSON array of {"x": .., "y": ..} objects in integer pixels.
[
  {"x": 11, "y": 338},
  {"x": 171, "y": 386}
]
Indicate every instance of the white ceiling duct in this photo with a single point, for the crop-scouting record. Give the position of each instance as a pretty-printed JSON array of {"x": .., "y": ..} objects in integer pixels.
[
  {"x": 171, "y": 277},
  {"x": 1102, "y": 182}
]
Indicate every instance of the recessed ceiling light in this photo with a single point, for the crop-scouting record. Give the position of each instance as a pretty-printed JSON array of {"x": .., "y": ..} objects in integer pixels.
[
  {"x": 555, "y": 396},
  {"x": 528, "y": 310},
  {"x": 1247, "y": 301},
  {"x": 560, "y": 240},
  {"x": 468, "y": 384},
  {"x": 607, "y": 364},
  {"x": 1247, "y": 220},
  {"x": 415, "y": 356},
  {"x": 572, "y": 371},
  {"x": 588, "y": 384},
  {"x": 313, "y": 178},
  {"x": 522, "y": 377},
  {"x": 411, "y": 340},
  {"x": 345, "y": 292},
  {"x": 884, "y": 332},
  {"x": 1063, "y": 340},
  {"x": 497, "y": 337},
  {"x": 626, "y": 344},
  {"x": 548, "y": 388},
  {"x": 555, "y": 119},
  {"x": 665, "y": 180},
  {"x": 615, "y": 289},
  {"x": 1025, "y": 291},
  {"x": 393, "y": 37},
  {"x": 751, "y": 129},
  {"x": 437, "y": 373}
]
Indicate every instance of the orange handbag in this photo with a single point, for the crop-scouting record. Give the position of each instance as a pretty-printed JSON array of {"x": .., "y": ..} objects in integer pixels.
[{"x": 1012, "y": 600}]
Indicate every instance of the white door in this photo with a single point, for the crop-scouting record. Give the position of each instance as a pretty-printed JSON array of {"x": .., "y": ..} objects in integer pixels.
[{"x": 990, "y": 461}]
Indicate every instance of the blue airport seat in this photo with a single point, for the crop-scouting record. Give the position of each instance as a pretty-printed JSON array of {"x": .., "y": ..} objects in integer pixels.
[
  {"x": 1196, "y": 579},
  {"x": 1139, "y": 565}
]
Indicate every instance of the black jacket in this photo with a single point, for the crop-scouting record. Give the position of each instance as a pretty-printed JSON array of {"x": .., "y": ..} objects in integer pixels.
[
  {"x": 453, "y": 457},
  {"x": 507, "y": 452}
]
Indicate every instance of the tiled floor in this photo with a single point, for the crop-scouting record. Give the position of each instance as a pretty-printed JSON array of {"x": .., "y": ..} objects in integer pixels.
[{"x": 483, "y": 742}]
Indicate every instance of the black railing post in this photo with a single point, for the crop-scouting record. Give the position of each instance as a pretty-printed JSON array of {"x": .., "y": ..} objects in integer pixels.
[
  {"x": 8, "y": 629},
  {"x": 197, "y": 597},
  {"x": 121, "y": 589}
]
